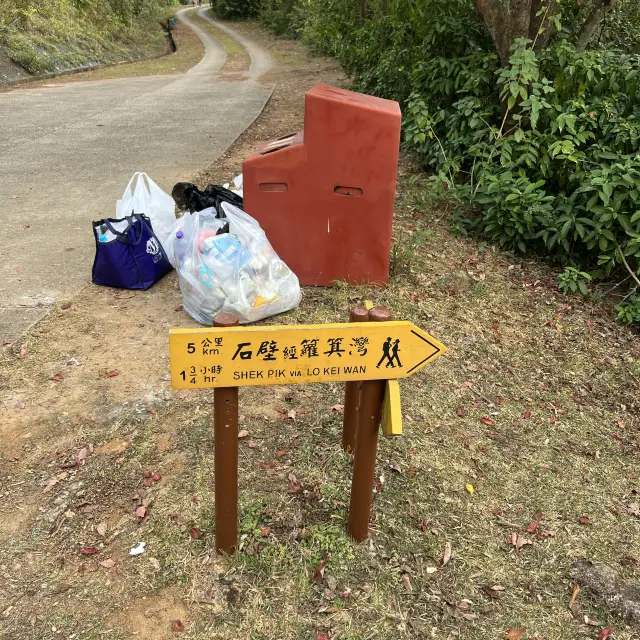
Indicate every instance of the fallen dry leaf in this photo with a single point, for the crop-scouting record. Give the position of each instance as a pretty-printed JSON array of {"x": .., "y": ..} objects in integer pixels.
[
  {"x": 265, "y": 532},
  {"x": 113, "y": 446},
  {"x": 151, "y": 409},
  {"x": 177, "y": 626},
  {"x": 157, "y": 476},
  {"x": 318, "y": 573},
  {"x": 469, "y": 488},
  {"x": 337, "y": 408},
  {"x": 101, "y": 528},
  {"x": 243, "y": 434},
  {"x": 292, "y": 413},
  {"x": 251, "y": 444},
  {"x": 294, "y": 487},
  {"x": 267, "y": 465},
  {"x": 113, "y": 374},
  {"x": 108, "y": 563},
  {"x": 605, "y": 633},
  {"x": 406, "y": 582},
  {"x": 461, "y": 412},
  {"x": 634, "y": 509},
  {"x": 514, "y": 634},
  {"x": 56, "y": 377},
  {"x": 194, "y": 532},
  {"x": 280, "y": 453},
  {"x": 574, "y": 595},
  {"x": 486, "y": 421},
  {"x": 82, "y": 454},
  {"x": 526, "y": 415},
  {"x": 395, "y": 466},
  {"x": 20, "y": 405},
  {"x": 493, "y": 591},
  {"x": 52, "y": 483},
  {"x": 89, "y": 551},
  {"x": 447, "y": 554},
  {"x": 65, "y": 306},
  {"x": 141, "y": 511},
  {"x": 584, "y": 519}
]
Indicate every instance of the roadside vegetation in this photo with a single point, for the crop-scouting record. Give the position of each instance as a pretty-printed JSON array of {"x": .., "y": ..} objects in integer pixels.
[
  {"x": 62, "y": 34},
  {"x": 525, "y": 113}
]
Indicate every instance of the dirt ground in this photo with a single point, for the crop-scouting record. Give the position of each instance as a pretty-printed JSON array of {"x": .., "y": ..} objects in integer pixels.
[{"x": 520, "y": 453}]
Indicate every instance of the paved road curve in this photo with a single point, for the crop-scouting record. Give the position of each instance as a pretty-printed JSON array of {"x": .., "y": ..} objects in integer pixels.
[{"x": 68, "y": 150}]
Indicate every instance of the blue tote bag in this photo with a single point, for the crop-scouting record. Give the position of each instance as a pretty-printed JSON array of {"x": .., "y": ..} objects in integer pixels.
[{"x": 128, "y": 254}]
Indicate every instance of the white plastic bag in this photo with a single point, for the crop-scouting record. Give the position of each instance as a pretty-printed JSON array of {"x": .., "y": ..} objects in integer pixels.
[
  {"x": 143, "y": 195},
  {"x": 236, "y": 271}
]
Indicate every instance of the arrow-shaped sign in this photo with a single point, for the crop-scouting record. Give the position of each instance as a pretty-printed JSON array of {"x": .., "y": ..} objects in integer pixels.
[{"x": 253, "y": 356}]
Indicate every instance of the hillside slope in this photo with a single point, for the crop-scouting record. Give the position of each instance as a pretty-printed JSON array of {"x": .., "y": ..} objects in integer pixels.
[{"x": 41, "y": 37}]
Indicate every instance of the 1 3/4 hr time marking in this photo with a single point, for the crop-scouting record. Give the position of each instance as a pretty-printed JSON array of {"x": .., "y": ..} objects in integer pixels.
[{"x": 239, "y": 356}]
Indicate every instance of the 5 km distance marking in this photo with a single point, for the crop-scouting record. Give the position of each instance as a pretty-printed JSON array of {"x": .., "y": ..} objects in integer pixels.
[{"x": 298, "y": 354}]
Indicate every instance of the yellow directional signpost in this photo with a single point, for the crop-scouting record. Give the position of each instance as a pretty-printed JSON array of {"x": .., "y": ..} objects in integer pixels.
[
  {"x": 369, "y": 355},
  {"x": 298, "y": 354}
]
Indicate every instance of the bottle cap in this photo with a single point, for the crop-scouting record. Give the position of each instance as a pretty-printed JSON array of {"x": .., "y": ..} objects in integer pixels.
[{"x": 179, "y": 234}]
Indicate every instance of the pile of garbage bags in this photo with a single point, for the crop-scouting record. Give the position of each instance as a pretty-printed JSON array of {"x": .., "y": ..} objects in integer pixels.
[{"x": 224, "y": 260}]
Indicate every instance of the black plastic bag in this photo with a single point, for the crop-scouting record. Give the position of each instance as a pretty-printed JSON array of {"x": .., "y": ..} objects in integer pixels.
[{"x": 189, "y": 198}]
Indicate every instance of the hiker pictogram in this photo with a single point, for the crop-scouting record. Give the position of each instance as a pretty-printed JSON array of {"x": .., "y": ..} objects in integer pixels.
[{"x": 390, "y": 353}]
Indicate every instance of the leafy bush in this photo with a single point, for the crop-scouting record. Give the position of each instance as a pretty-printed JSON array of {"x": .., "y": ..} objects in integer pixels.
[
  {"x": 235, "y": 9},
  {"x": 558, "y": 170},
  {"x": 629, "y": 311},
  {"x": 572, "y": 280},
  {"x": 284, "y": 17},
  {"x": 544, "y": 150}
]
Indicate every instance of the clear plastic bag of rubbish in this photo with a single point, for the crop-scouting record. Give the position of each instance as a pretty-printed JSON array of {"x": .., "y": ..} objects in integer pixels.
[
  {"x": 143, "y": 195},
  {"x": 227, "y": 264}
]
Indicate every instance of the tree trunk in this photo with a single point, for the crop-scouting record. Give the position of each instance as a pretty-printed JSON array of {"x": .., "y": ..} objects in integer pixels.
[
  {"x": 592, "y": 22},
  {"x": 513, "y": 19}
]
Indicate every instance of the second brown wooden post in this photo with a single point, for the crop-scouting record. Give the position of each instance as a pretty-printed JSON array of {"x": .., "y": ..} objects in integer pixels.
[
  {"x": 225, "y": 406},
  {"x": 352, "y": 392},
  {"x": 364, "y": 462}
]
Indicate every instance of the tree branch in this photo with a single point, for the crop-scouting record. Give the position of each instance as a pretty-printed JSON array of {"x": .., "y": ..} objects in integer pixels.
[
  {"x": 592, "y": 22},
  {"x": 626, "y": 264}
]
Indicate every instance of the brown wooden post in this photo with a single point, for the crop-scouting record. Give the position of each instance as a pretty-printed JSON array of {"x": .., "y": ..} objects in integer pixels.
[
  {"x": 352, "y": 391},
  {"x": 364, "y": 462},
  {"x": 225, "y": 441}
]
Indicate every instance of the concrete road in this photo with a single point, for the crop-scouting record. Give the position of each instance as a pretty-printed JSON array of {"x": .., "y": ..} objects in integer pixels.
[{"x": 67, "y": 151}]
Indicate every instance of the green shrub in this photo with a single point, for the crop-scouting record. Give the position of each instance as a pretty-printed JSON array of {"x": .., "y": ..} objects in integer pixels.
[
  {"x": 284, "y": 17},
  {"x": 544, "y": 151},
  {"x": 572, "y": 280},
  {"x": 235, "y": 9},
  {"x": 629, "y": 311}
]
